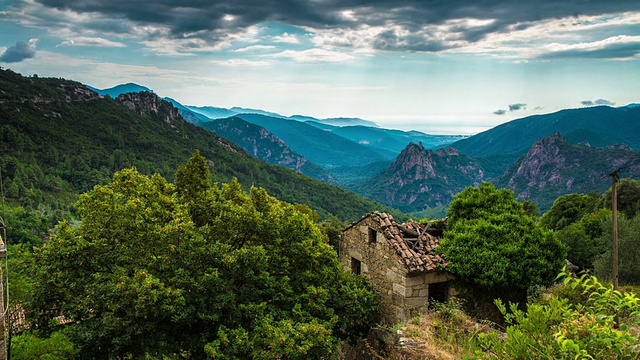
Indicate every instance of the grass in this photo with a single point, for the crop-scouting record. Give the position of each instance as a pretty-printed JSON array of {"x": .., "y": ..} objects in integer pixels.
[{"x": 445, "y": 332}]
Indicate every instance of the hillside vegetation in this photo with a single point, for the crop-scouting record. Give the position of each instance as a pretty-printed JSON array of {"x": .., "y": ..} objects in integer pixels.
[{"x": 60, "y": 139}]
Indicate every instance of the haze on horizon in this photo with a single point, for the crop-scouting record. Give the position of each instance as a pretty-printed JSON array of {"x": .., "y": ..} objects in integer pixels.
[{"x": 456, "y": 67}]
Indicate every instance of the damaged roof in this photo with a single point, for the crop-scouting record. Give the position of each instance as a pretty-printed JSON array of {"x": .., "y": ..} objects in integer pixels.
[{"x": 415, "y": 243}]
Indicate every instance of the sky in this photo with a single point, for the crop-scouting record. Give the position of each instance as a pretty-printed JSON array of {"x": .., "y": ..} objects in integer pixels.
[{"x": 442, "y": 67}]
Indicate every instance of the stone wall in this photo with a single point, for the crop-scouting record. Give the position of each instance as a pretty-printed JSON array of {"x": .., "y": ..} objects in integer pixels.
[{"x": 400, "y": 295}]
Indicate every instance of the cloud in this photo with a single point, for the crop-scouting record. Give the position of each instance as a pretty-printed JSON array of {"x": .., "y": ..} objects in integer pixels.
[
  {"x": 431, "y": 26},
  {"x": 20, "y": 51},
  {"x": 616, "y": 47},
  {"x": 500, "y": 112},
  {"x": 91, "y": 41},
  {"x": 314, "y": 55},
  {"x": 255, "y": 48},
  {"x": 240, "y": 62},
  {"x": 597, "y": 102},
  {"x": 286, "y": 38},
  {"x": 516, "y": 107}
]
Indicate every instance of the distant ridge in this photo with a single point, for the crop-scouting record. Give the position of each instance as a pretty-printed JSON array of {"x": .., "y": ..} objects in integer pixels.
[
  {"x": 553, "y": 166},
  {"x": 599, "y": 126},
  {"x": 117, "y": 90},
  {"x": 264, "y": 145}
]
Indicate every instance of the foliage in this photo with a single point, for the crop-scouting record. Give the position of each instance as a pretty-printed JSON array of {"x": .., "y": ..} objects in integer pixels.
[
  {"x": 333, "y": 227},
  {"x": 531, "y": 208},
  {"x": 160, "y": 270},
  {"x": 581, "y": 248},
  {"x": 28, "y": 346},
  {"x": 488, "y": 226},
  {"x": 57, "y": 145},
  {"x": 628, "y": 250},
  {"x": 566, "y": 210},
  {"x": 561, "y": 330},
  {"x": 628, "y": 191}
]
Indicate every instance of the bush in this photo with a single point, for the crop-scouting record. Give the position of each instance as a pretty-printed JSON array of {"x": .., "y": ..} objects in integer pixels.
[{"x": 562, "y": 330}]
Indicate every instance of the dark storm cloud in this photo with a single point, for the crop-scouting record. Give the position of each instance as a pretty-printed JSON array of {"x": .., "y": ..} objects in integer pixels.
[
  {"x": 22, "y": 50},
  {"x": 500, "y": 112},
  {"x": 597, "y": 102},
  {"x": 516, "y": 107},
  {"x": 201, "y": 18}
]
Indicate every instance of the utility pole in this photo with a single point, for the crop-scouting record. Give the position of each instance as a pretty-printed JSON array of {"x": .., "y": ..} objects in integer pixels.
[
  {"x": 3, "y": 313},
  {"x": 614, "y": 211}
]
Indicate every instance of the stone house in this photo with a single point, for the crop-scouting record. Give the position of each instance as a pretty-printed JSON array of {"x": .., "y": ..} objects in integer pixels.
[{"x": 400, "y": 261}]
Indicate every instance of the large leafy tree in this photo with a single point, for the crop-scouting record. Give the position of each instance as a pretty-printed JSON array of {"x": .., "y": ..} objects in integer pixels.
[
  {"x": 628, "y": 250},
  {"x": 159, "y": 270},
  {"x": 493, "y": 244},
  {"x": 628, "y": 191},
  {"x": 568, "y": 209}
]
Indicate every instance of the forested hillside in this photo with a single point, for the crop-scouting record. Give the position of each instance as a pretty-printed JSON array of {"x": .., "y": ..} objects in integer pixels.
[
  {"x": 598, "y": 126},
  {"x": 264, "y": 145},
  {"x": 60, "y": 139}
]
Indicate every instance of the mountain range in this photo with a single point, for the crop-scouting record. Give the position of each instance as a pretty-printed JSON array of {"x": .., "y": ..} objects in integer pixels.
[
  {"x": 59, "y": 138},
  {"x": 539, "y": 157}
]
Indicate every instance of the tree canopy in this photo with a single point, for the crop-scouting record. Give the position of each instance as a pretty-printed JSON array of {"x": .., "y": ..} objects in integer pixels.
[
  {"x": 567, "y": 209},
  {"x": 493, "y": 242},
  {"x": 163, "y": 270}
]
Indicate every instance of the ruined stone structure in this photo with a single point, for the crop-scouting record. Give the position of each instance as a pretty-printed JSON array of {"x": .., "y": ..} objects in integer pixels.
[{"x": 400, "y": 261}]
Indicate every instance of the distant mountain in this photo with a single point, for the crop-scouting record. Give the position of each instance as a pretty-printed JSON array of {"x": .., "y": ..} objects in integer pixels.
[
  {"x": 553, "y": 167},
  {"x": 421, "y": 178},
  {"x": 241, "y": 110},
  {"x": 347, "y": 122},
  {"x": 212, "y": 112},
  {"x": 335, "y": 121},
  {"x": 262, "y": 144},
  {"x": 115, "y": 91},
  {"x": 387, "y": 140},
  {"x": 321, "y": 147},
  {"x": 598, "y": 126},
  {"x": 222, "y": 113},
  {"x": 191, "y": 116},
  {"x": 60, "y": 139}
]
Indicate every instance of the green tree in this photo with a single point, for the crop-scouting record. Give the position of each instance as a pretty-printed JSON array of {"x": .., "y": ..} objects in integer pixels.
[
  {"x": 581, "y": 238},
  {"x": 495, "y": 247},
  {"x": 566, "y": 210},
  {"x": 628, "y": 197},
  {"x": 28, "y": 346},
  {"x": 628, "y": 251},
  {"x": 251, "y": 278},
  {"x": 531, "y": 208}
]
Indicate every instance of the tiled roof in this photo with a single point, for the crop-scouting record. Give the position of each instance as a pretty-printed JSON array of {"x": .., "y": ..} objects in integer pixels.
[{"x": 415, "y": 243}]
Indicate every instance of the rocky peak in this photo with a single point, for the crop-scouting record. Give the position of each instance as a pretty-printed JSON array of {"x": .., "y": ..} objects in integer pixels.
[
  {"x": 149, "y": 104},
  {"x": 415, "y": 158},
  {"x": 553, "y": 166},
  {"x": 543, "y": 152}
]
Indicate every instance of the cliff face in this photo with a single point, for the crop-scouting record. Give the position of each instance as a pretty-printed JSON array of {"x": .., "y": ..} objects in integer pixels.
[
  {"x": 544, "y": 162},
  {"x": 413, "y": 164},
  {"x": 147, "y": 103},
  {"x": 421, "y": 178},
  {"x": 264, "y": 145},
  {"x": 553, "y": 167},
  {"x": 150, "y": 105}
]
